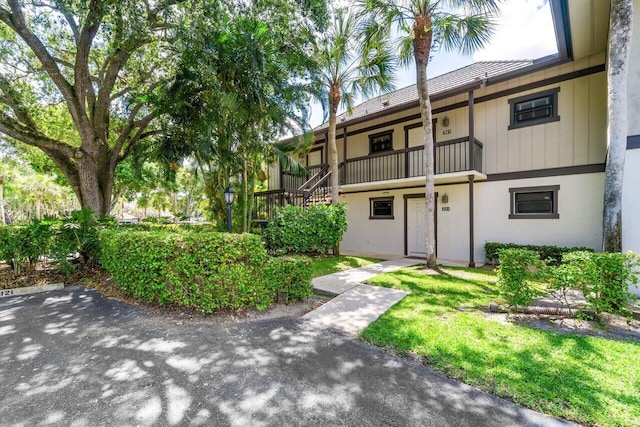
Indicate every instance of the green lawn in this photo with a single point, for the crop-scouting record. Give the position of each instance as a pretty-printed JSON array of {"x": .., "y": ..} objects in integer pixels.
[
  {"x": 585, "y": 379},
  {"x": 323, "y": 265}
]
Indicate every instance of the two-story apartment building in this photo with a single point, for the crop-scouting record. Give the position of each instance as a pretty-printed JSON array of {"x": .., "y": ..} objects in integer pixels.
[{"x": 520, "y": 153}]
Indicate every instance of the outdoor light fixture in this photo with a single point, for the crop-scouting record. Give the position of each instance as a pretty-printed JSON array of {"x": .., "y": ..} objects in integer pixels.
[
  {"x": 445, "y": 199},
  {"x": 445, "y": 121},
  {"x": 229, "y": 195}
]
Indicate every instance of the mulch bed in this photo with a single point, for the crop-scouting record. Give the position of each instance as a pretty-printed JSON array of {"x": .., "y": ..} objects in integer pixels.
[{"x": 610, "y": 326}]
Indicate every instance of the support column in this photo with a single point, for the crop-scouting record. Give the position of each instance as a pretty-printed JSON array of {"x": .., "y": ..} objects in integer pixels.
[
  {"x": 471, "y": 133},
  {"x": 472, "y": 262},
  {"x": 344, "y": 156}
]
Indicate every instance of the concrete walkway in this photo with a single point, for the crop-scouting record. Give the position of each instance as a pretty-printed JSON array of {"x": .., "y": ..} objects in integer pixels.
[{"x": 356, "y": 305}]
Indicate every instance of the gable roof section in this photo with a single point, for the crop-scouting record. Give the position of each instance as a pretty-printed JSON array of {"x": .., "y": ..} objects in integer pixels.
[{"x": 459, "y": 78}]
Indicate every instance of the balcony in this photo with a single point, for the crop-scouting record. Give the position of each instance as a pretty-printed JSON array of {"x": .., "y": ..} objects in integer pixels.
[{"x": 449, "y": 156}]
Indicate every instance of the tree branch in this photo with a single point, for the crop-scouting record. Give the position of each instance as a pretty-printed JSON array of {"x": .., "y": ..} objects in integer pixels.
[
  {"x": 82, "y": 75},
  {"x": 15, "y": 21},
  {"x": 22, "y": 133}
]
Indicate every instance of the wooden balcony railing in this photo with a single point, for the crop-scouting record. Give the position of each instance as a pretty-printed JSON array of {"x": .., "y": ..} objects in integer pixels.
[
  {"x": 449, "y": 156},
  {"x": 291, "y": 181}
]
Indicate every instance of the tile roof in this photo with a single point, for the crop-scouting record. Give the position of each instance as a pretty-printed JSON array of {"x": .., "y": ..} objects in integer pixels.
[{"x": 437, "y": 85}]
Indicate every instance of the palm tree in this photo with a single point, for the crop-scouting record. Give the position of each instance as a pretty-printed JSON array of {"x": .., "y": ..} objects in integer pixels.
[
  {"x": 349, "y": 65},
  {"x": 424, "y": 26},
  {"x": 620, "y": 25}
]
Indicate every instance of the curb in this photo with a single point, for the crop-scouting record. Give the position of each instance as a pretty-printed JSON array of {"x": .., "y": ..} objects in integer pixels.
[{"x": 4, "y": 293}]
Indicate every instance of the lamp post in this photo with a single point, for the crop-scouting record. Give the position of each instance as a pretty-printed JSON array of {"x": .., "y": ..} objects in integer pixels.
[{"x": 229, "y": 195}]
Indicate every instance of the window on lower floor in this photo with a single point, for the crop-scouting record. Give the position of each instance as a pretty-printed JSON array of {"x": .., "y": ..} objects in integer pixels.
[
  {"x": 381, "y": 208},
  {"x": 534, "y": 109},
  {"x": 534, "y": 202}
]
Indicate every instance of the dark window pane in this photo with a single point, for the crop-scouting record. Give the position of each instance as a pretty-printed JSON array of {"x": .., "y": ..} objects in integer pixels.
[
  {"x": 539, "y": 202},
  {"x": 380, "y": 143},
  {"x": 382, "y": 208},
  {"x": 533, "y": 109}
]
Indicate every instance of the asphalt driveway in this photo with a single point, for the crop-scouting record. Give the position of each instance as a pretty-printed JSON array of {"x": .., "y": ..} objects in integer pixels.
[{"x": 73, "y": 358}]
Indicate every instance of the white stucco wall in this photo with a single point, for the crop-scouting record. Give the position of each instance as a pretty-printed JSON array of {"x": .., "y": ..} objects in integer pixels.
[
  {"x": 579, "y": 207},
  {"x": 579, "y": 224},
  {"x": 373, "y": 236}
]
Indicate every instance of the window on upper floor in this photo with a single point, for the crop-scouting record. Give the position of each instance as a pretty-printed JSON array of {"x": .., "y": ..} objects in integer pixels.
[
  {"x": 381, "y": 208},
  {"x": 381, "y": 142},
  {"x": 534, "y": 202},
  {"x": 534, "y": 109}
]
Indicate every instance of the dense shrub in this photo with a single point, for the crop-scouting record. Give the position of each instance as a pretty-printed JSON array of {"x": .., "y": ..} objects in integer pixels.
[
  {"x": 201, "y": 270},
  {"x": 178, "y": 228},
  {"x": 13, "y": 246},
  {"x": 604, "y": 278},
  {"x": 292, "y": 274},
  {"x": 519, "y": 269},
  {"x": 547, "y": 253},
  {"x": 316, "y": 229}
]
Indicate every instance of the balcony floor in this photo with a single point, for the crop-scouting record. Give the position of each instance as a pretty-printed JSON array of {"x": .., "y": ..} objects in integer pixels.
[{"x": 445, "y": 178}]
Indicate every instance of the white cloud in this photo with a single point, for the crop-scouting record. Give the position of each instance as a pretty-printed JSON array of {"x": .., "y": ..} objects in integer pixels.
[{"x": 525, "y": 31}]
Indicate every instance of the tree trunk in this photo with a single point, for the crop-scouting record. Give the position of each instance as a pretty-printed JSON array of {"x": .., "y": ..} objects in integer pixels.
[
  {"x": 421, "y": 49},
  {"x": 2, "y": 220},
  {"x": 620, "y": 28},
  {"x": 334, "y": 96},
  {"x": 245, "y": 192},
  {"x": 90, "y": 176},
  {"x": 38, "y": 208}
]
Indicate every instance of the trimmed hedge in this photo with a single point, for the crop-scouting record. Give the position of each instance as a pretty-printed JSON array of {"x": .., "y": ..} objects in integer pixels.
[
  {"x": 202, "y": 270},
  {"x": 178, "y": 228},
  {"x": 291, "y": 274},
  {"x": 546, "y": 252},
  {"x": 316, "y": 229}
]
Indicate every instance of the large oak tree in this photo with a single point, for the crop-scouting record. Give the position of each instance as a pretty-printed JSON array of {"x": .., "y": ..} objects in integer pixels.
[{"x": 99, "y": 59}]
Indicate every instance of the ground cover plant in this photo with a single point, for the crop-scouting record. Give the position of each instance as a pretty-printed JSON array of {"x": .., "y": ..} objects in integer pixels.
[
  {"x": 587, "y": 379},
  {"x": 323, "y": 265}
]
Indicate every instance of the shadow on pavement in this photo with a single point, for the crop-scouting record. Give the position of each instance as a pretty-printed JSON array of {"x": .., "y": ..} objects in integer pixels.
[{"x": 71, "y": 357}]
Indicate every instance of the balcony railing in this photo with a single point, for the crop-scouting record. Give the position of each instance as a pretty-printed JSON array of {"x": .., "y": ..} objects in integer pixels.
[
  {"x": 289, "y": 180},
  {"x": 449, "y": 156},
  {"x": 265, "y": 202}
]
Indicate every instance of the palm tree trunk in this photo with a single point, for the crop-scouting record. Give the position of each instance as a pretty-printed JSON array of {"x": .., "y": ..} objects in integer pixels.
[
  {"x": 421, "y": 49},
  {"x": 621, "y": 26},
  {"x": 333, "y": 149}
]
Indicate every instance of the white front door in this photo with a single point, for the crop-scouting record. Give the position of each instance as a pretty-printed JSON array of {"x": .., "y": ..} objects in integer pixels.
[{"x": 416, "y": 233}]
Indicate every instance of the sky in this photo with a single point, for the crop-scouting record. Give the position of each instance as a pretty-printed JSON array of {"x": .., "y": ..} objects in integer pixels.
[{"x": 524, "y": 31}]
